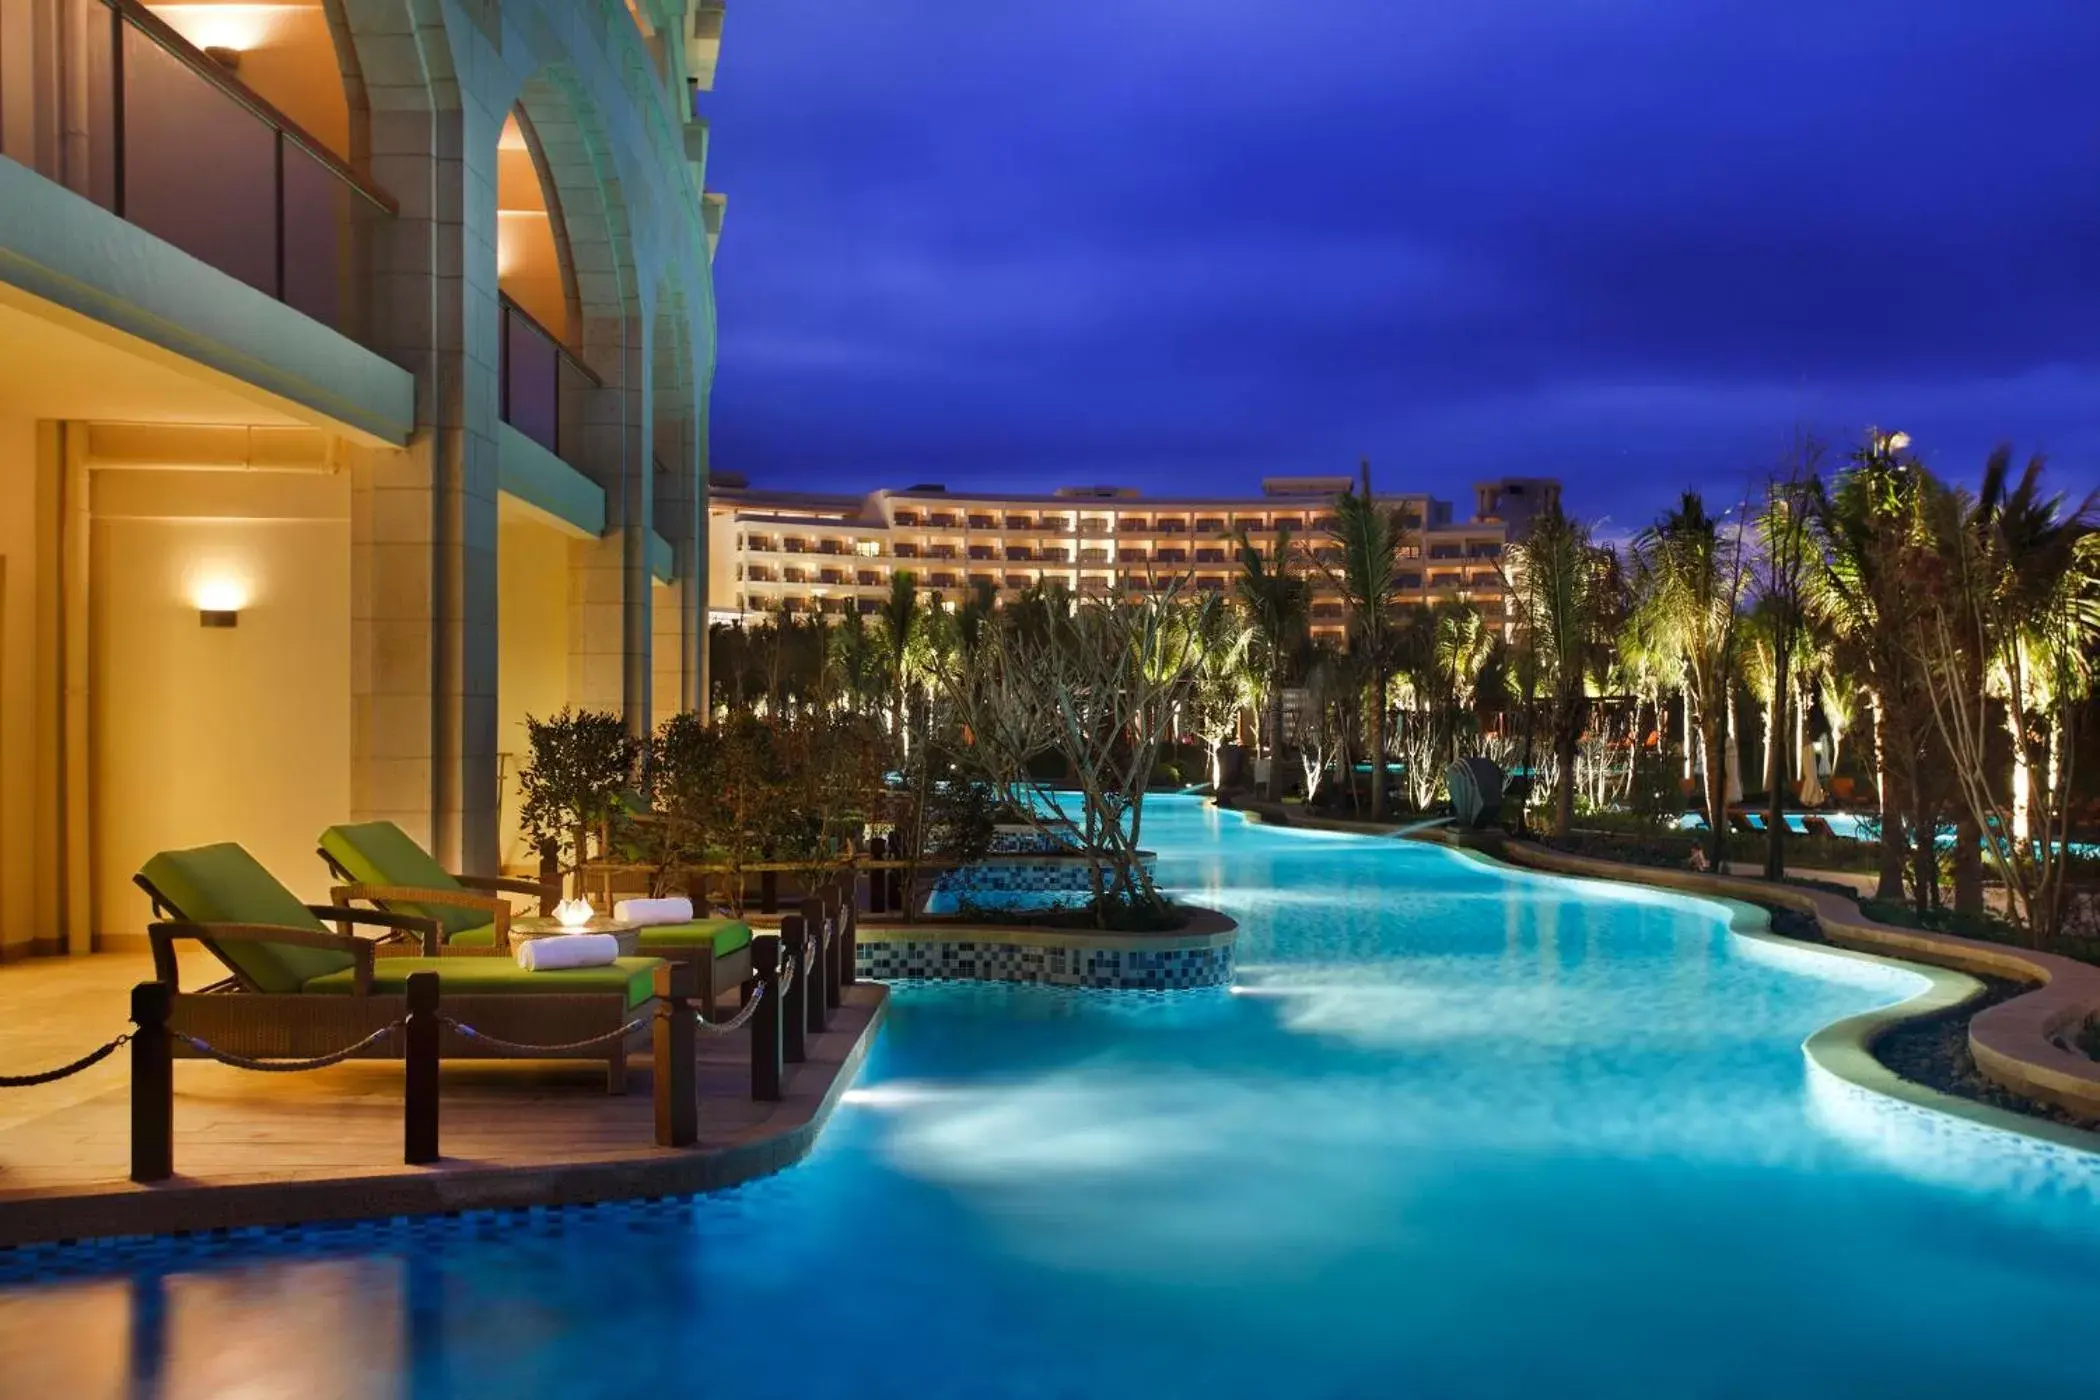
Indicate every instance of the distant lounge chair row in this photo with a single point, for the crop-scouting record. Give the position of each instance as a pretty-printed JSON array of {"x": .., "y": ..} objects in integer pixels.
[
  {"x": 301, "y": 988},
  {"x": 1804, "y": 824}
]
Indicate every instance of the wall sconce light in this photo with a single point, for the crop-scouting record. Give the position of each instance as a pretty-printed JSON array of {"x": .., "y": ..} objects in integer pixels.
[
  {"x": 225, "y": 56},
  {"x": 219, "y": 603}
]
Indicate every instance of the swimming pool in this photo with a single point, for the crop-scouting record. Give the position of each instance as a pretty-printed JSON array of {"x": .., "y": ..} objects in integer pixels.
[{"x": 1462, "y": 1131}]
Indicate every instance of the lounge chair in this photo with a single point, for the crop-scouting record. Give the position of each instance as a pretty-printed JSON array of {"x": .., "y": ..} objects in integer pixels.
[
  {"x": 300, "y": 988},
  {"x": 1740, "y": 821},
  {"x": 384, "y": 866},
  {"x": 1813, "y": 825}
]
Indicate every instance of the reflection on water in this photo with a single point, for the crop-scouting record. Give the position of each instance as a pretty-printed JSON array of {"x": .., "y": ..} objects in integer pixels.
[{"x": 1456, "y": 1132}]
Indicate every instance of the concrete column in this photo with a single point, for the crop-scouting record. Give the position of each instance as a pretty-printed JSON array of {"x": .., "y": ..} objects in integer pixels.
[
  {"x": 614, "y": 447},
  {"x": 423, "y": 518}
]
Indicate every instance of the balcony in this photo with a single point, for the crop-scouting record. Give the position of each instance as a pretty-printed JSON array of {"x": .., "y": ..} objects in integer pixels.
[
  {"x": 176, "y": 144},
  {"x": 1133, "y": 525},
  {"x": 1019, "y": 522},
  {"x": 868, "y": 578},
  {"x": 794, "y": 575},
  {"x": 984, "y": 581},
  {"x": 1210, "y": 525},
  {"x": 1052, "y": 556},
  {"x": 1210, "y": 556},
  {"x": 1093, "y": 556},
  {"x": 1017, "y": 581},
  {"x": 1019, "y": 553},
  {"x": 983, "y": 551},
  {"x": 941, "y": 580},
  {"x": 1093, "y": 525},
  {"x": 907, "y": 517},
  {"x": 1172, "y": 556},
  {"x": 907, "y": 551},
  {"x": 984, "y": 522},
  {"x": 940, "y": 520},
  {"x": 535, "y": 372}
]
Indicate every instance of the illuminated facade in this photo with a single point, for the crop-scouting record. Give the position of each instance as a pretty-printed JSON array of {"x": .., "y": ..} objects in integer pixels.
[
  {"x": 803, "y": 553},
  {"x": 356, "y": 362}
]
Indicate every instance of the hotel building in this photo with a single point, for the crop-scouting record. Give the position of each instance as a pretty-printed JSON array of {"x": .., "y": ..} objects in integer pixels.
[
  {"x": 354, "y": 368},
  {"x": 778, "y": 552}
]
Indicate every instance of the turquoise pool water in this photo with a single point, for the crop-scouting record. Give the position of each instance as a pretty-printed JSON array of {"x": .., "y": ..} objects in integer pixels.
[{"x": 1461, "y": 1132}]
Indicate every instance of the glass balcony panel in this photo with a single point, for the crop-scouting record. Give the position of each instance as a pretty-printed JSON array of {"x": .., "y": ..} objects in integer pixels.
[
  {"x": 200, "y": 170},
  {"x": 318, "y": 210},
  {"x": 530, "y": 394}
]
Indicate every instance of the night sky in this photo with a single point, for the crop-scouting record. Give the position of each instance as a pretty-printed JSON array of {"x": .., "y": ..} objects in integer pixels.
[{"x": 1181, "y": 244}]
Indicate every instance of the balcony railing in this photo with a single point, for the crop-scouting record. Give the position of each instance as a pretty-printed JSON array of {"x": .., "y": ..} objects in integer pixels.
[
  {"x": 536, "y": 371},
  {"x": 179, "y": 146}
]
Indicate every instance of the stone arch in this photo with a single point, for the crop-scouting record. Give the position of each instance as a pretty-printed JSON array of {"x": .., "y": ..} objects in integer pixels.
[{"x": 587, "y": 198}]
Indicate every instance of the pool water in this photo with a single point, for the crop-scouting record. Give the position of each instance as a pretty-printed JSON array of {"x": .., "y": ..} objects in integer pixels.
[{"x": 1460, "y": 1131}]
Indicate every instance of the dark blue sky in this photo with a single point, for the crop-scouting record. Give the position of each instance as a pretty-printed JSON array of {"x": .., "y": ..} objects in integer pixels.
[{"x": 1185, "y": 243}]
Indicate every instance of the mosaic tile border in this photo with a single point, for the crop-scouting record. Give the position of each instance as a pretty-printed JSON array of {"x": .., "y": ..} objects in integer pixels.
[{"x": 988, "y": 959}]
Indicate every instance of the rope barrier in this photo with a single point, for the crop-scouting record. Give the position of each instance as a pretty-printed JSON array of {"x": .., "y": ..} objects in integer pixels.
[
  {"x": 737, "y": 1021},
  {"x": 336, "y": 1057},
  {"x": 87, "y": 1061},
  {"x": 501, "y": 1044}
]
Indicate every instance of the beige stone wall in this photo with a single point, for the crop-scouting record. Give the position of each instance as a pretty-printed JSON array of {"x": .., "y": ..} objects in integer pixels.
[
  {"x": 217, "y": 734},
  {"x": 532, "y": 584},
  {"x": 27, "y": 569}
]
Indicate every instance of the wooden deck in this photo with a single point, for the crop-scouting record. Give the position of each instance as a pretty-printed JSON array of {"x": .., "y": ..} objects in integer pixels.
[{"x": 272, "y": 1149}]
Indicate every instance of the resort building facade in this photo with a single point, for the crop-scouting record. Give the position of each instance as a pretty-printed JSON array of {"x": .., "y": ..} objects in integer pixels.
[
  {"x": 354, "y": 368},
  {"x": 806, "y": 553}
]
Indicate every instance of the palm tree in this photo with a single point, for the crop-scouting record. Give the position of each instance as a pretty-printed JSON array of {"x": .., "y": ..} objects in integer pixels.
[
  {"x": 1690, "y": 581},
  {"x": 1559, "y": 589},
  {"x": 1369, "y": 539},
  {"x": 1277, "y": 599},
  {"x": 2007, "y": 589},
  {"x": 1859, "y": 588},
  {"x": 901, "y": 625}
]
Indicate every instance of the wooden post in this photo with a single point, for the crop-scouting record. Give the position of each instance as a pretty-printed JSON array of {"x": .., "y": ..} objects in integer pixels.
[
  {"x": 816, "y": 1004},
  {"x": 835, "y": 924},
  {"x": 677, "y": 1080},
  {"x": 152, "y": 1085},
  {"x": 849, "y": 933},
  {"x": 878, "y": 878},
  {"x": 769, "y": 891},
  {"x": 767, "y": 1020},
  {"x": 420, "y": 1110},
  {"x": 794, "y": 1013}
]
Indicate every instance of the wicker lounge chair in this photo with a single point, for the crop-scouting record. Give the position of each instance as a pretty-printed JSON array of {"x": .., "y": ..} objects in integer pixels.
[
  {"x": 381, "y": 864},
  {"x": 1813, "y": 825},
  {"x": 386, "y": 867},
  {"x": 301, "y": 989}
]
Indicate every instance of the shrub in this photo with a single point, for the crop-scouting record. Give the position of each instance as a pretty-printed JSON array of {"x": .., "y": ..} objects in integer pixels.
[{"x": 582, "y": 763}]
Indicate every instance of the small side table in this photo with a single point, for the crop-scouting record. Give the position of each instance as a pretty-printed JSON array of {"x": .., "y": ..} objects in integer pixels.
[{"x": 544, "y": 926}]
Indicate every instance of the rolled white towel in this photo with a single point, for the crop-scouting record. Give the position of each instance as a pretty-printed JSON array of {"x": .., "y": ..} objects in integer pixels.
[
  {"x": 672, "y": 910},
  {"x": 568, "y": 950}
]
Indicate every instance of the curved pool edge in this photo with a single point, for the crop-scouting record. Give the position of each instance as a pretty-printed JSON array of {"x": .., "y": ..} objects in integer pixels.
[{"x": 2010, "y": 1041}]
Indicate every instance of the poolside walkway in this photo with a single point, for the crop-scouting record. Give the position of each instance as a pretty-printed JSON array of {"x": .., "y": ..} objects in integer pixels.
[{"x": 273, "y": 1149}]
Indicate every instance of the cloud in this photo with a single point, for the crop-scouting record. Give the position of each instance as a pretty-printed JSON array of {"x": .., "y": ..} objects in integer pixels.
[{"x": 1162, "y": 238}]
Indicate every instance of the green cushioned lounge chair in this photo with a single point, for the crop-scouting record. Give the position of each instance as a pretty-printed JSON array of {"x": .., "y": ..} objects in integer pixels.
[
  {"x": 300, "y": 988},
  {"x": 381, "y": 864},
  {"x": 384, "y": 866}
]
